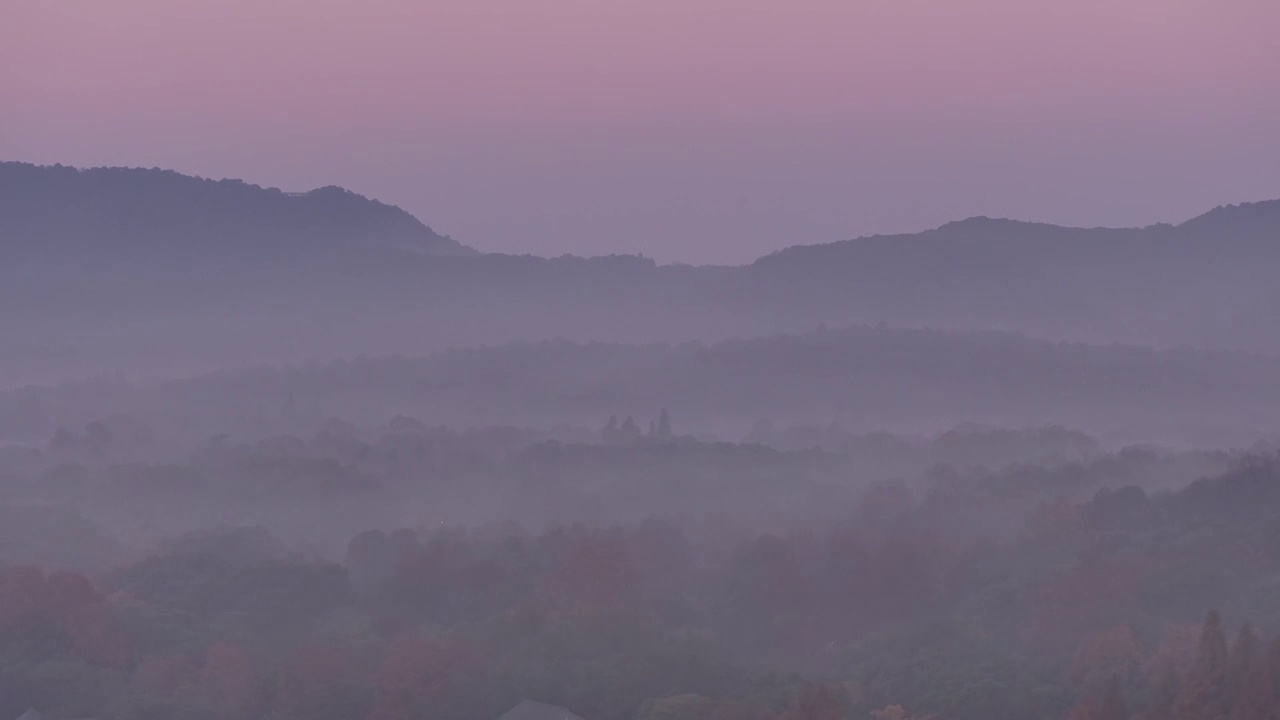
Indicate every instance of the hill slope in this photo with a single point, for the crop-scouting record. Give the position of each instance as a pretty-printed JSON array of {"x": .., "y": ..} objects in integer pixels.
[
  {"x": 206, "y": 274},
  {"x": 61, "y": 213},
  {"x": 1208, "y": 281}
]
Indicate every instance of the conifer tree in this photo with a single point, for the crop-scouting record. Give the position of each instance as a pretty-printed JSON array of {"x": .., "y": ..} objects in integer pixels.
[
  {"x": 630, "y": 431},
  {"x": 1204, "y": 691},
  {"x": 609, "y": 435},
  {"x": 1244, "y": 655},
  {"x": 664, "y": 426},
  {"x": 1166, "y": 696},
  {"x": 1113, "y": 706},
  {"x": 1259, "y": 696}
]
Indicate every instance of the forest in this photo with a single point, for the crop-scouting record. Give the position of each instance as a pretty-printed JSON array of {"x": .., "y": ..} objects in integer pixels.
[
  {"x": 297, "y": 456},
  {"x": 632, "y": 571},
  {"x": 639, "y": 360}
]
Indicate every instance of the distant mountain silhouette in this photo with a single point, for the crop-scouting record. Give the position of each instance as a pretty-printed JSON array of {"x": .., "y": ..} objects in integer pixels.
[
  {"x": 985, "y": 245},
  {"x": 1209, "y": 280},
  {"x": 152, "y": 271},
  {"x": 63, "y": 214}
]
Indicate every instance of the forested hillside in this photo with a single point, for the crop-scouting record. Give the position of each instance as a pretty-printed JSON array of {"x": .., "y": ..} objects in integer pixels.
[
  {"x": 66, "y": 216},
  {"x": 158, "y": 274},
  {"x": 635, "y": 577}
]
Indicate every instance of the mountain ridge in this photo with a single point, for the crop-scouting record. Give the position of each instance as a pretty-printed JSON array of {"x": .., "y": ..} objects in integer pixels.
[
  {"x": 1245, "y": 215},
  {"x": 273, "y": 294},
  {"x": 335, "y": 210},
  {"x": 124, "y": 212}
]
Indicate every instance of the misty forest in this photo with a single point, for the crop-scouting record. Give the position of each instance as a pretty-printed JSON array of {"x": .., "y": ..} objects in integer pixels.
[{"x": 298, "y": 456}]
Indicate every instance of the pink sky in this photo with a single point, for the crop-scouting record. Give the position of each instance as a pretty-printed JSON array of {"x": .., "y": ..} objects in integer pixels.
[{"x": 695, "y": 130}]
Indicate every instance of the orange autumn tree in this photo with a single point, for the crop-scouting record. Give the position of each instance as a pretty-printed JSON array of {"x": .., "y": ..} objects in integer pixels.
[
  {"x": 315, "y": 685},
  {"x": 227, "y": 680},
  {"x": 161, "y": 677},
  {"x": 819, "y": 701},
  {"x": 1110, "y": 705},
  {"x": 1115, "y": 652},
  {"x": 68, "y": 605},
  {"x": 416, "y": 674},
  {"x": 592, "y": 571},
  {"x": 1098, "y": 593},
  {"x": 1174, "y": 656},
  {"x": 1258, "y": 695}
]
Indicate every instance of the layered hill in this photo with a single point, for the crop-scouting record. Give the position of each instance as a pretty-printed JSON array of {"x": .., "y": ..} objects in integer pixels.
[
  {"x": 152, "y": 272},
  {"x": 865, "y": 378},
  {"x": 1206, "y": 281},
  {"x": 66, "y": 215}
]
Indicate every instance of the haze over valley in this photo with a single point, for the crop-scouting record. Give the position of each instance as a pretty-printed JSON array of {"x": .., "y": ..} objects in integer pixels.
[
  {"x": 565, "y": 360},
  {"x": 290, "y": 278}
]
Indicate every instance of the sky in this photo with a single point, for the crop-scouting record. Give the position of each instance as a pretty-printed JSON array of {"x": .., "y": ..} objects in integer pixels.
[{"x": 702, "y": 131}]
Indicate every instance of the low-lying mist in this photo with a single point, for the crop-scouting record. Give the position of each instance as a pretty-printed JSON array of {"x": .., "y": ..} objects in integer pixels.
[{"x": 297, "y": 456}]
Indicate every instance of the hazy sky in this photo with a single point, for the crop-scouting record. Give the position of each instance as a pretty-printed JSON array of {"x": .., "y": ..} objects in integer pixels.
[{"x": 694, "y": 130}]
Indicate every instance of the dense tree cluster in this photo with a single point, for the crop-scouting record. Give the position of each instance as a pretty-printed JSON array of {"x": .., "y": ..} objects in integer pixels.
[{"x": 909, "y": 603}]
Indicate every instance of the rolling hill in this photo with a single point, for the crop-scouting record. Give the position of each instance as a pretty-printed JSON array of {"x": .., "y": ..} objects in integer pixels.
[
  {"x": 153, "y": 273},
  {"x": 62, "y": 214}
]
